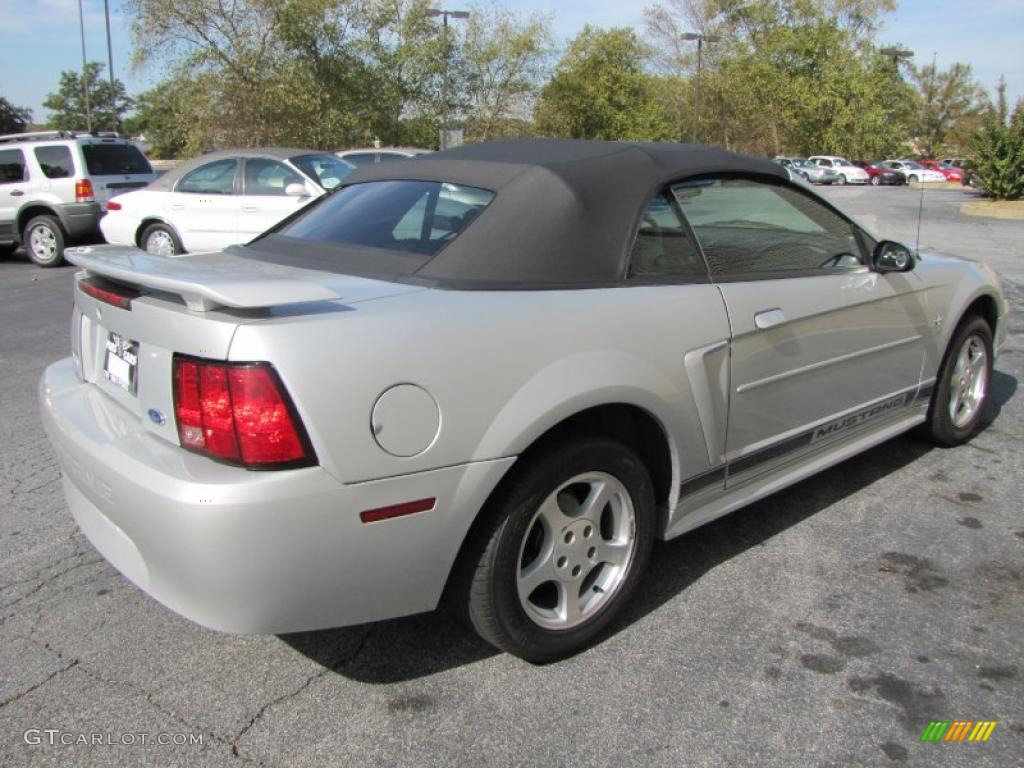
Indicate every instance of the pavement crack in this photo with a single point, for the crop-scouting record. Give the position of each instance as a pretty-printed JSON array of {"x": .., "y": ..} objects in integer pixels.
[
  {"x": 40, "y": 684},
  {"x": 237, "y": 750}
]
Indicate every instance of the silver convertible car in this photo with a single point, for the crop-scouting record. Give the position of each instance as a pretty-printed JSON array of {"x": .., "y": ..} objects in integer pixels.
[{"x": 494, "y": 375}]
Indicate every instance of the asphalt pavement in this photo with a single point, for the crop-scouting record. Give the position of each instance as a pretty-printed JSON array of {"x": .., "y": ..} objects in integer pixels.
[{"x": 824, "y": 626}]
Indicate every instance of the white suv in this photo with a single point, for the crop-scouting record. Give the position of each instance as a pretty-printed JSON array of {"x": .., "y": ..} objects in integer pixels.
[
  {"x": 54, "y": 184},
  {"x": 846, "y": 172}
]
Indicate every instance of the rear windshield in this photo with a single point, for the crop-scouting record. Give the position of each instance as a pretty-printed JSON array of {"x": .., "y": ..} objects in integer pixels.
[
  {"x": 114, "y": 159},
  {"x": 326, "y": 170},
  {"x": 416, "y": 217}
]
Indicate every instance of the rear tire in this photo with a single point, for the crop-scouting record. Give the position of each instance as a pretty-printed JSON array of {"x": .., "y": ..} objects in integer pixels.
[
  {"x": 44, "y": 241},
  {"x": 160, "y": 240},
  {"x": 961, "y": 390},
  {"x": 564, "y": 544}
]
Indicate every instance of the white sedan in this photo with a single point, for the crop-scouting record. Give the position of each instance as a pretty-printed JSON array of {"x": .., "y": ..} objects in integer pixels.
[
  {"x": 847, "y": 172},
  {"x": 913, "y": 171},
  {"x": 220, "y": 199}
]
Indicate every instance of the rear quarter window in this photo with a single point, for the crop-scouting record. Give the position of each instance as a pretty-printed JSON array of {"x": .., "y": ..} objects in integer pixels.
[
  {"x": 55, "y": 162},
  {"x": 114, "y": 159}
]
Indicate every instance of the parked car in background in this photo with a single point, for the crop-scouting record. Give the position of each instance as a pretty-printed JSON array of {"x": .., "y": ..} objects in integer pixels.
[
  {"x": 913, "y": 170},
  {"x": 431, "y": 387},
  {"x": 956, "y": 162},
  {"x": 221, "y": 198},
  {"x": 374, "y": 156},
  {"x": 815, "y": 174},
  {"x": 53, "y": 185},
  {"x": 846, "y": 172},
  {"x": 952, "y": 174},
  {"x": 879, "y": 175}
]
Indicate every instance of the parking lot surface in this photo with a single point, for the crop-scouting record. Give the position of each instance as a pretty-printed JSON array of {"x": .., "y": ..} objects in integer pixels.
[{"x": 824, "y": 626}]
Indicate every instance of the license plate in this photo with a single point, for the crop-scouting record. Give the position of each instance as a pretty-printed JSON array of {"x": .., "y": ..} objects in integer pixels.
[{"x": 121, "y": 362}]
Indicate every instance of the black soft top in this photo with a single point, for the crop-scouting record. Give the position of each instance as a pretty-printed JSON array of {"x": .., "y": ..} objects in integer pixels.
[{"x": 564, "y": 211}]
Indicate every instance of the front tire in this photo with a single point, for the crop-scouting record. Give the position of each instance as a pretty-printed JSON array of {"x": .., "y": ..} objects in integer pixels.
[
  {"x": 44, "y": 241},
  {"x": 564, "y": 545},
  {"x": 160, "y": 240},
  {"x": 875, "y": 181},
  {"x": 955, "y": 411}
]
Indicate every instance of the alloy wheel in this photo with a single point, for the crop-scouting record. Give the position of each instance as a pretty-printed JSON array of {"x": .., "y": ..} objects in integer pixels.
[
  {"x": 43, "y": 243},
  {"x": 968, "y": 382},
  {"x": 577, "y": 551}
]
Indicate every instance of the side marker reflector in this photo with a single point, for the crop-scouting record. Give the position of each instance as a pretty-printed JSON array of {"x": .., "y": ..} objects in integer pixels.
[{"x": 397, "y": 510}]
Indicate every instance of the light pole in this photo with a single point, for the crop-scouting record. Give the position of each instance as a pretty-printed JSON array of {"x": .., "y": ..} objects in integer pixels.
[
  {"x": 701, "y": 38},
  {"x": 433, "y": 12},
  {"x": 110, "y": 69},
  {"x": 85, "y": 73}
]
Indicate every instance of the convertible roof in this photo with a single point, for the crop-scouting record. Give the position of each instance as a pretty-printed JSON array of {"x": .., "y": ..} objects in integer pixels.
[
  {"x": 565, "y": 211},
  {"x": 165, "y": 182}
]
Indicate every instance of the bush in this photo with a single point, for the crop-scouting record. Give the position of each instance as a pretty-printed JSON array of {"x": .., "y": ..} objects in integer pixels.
[{"x": 999, "y": 153}]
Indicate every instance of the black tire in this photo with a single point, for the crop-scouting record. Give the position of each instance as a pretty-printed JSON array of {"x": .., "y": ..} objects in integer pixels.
[
  {"x": 487, "y": 588},
  {"x": 44, "y": 240},
  {"x": 164, "y": 232},
  {"x": 940, "y": 428},
  {"x": 912, "y": 179},
  {"x": 875, "y": 181}
]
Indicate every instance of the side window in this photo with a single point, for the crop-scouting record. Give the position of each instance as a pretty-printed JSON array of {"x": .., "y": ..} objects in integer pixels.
[
  {"x": 268, "y": 177},
  {"x": 55, "y": 161},
  {"x": 12, "y": 166},
  {"x": 216, "y": 178},
  {"x": 748, "y": 227},
  {"x": 662, "y": 245}
]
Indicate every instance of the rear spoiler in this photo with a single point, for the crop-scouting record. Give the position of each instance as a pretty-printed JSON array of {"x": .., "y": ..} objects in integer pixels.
[{"x": 204, "y": 281}]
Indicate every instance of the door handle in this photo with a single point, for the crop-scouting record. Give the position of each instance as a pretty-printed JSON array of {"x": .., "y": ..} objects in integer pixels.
[
  {"x": 177, "y": 207},
  {"x": 769, "y": 318},
  {"x": 17, "y": 192},
  {"x": 250, "y": 208}
]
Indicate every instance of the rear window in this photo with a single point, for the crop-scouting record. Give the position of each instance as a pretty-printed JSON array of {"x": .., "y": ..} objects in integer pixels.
[
  {"x": 114, "y": 159},
  {"x": 55, "y": 161},
  {"x": 418, "y": 217}
]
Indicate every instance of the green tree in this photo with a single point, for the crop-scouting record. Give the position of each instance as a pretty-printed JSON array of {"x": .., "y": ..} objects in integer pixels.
[
  {"x": 600, "y": 90},
  {"x": 67, "y": 104},
  {"x": 999, "y": 150},
  {"x": 13, "y": 119},
  {"x": 160, "y": 117},
  {"x": 951, "y": 104}
]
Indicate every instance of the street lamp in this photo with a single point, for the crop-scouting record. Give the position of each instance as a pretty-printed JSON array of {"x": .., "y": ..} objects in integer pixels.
[
  {"x": 85, "y": 71},
  {"x": 701, "y": 38},
  {"x": 896, "y": 54},
  {"x": 434, "y": 12}
]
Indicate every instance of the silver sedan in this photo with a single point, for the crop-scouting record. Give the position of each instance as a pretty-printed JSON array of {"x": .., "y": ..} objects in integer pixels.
[{"x": 496, "y": 374}]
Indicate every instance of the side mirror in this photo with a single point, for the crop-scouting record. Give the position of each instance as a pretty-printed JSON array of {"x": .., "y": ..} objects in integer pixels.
[
  {"x": 890, "y": 256},
  {"x": 295, "y": 189}
]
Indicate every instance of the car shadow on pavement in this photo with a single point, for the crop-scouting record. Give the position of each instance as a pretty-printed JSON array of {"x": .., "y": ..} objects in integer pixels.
[{"x": 417, "y": 646}]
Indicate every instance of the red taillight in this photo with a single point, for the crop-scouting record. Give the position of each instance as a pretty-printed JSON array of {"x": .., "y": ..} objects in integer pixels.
[
  {"x": 238, "y": 413},
  {"x": 113, "y": 205},
  {"x": 118, "y": 295},
  {"x": 83, "y": 191}
]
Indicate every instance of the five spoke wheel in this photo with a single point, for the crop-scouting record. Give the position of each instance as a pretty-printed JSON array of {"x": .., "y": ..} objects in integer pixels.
[{"x": 577, "y": 550}]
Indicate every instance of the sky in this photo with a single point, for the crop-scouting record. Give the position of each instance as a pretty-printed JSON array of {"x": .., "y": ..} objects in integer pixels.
[{"x": 41, "y": 38}]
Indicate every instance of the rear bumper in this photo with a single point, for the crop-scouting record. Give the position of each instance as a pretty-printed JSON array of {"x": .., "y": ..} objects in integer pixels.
[
  {"x": 119, "y": 229},
  {"x": 252, "y": 552},
  {"x": 80, "y": 219}
]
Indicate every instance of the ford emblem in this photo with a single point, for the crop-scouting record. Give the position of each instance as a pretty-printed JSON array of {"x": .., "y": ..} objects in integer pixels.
[{"x": 156, "y": 417}]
